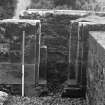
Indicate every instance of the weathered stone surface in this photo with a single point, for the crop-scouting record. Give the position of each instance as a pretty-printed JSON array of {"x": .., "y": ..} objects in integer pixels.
[
  {"x": 55, "y": 35},
  {"x": 81, "y": 28},
  {"x": 11, "y": 41},
  {"x": 95, "y": 71}
]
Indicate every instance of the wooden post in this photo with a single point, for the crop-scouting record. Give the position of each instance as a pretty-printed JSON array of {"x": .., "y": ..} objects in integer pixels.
[
  {"x": 37, "y": 54},
  {"x": 68, "y": 76},
  {"x": 23, "y": 48},
  {"x": 77, "y": 54}
]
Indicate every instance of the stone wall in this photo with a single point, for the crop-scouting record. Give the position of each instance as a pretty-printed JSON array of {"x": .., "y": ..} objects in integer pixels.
[
  {"x": 11, "y": 59},
  {"x": 96, "y": 68},
  {"x": 81, "y": 28},
  {"x": 55, "y": 35}
]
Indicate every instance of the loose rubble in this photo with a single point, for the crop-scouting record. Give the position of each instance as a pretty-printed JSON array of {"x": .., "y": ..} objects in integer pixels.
[
  {"x": 13, "y": 100},
  {"x": 3, "y": 97}
]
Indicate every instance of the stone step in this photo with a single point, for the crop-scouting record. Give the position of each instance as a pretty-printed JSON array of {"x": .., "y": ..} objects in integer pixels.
[{"x": 73, "y": 92}]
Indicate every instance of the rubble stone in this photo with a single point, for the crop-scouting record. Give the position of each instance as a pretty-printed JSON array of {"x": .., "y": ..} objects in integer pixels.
[{"x": 3, "y": 97}]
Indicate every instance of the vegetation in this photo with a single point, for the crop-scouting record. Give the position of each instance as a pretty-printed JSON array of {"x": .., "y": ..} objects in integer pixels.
[{"x": 7, "y": 7}]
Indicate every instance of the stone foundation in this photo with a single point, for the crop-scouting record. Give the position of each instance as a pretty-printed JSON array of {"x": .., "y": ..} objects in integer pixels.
[
  {"x": 19, "y": 54},
  {"x": 96, "y": 68},
  {"x": 55, "y": 35}
]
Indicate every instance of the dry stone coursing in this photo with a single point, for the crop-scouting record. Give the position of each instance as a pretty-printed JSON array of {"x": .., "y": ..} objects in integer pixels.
[
  {"x": 55, "y": 35},
  {"x": 95, "y": 57},
  {"x": 95, "y": 72}
]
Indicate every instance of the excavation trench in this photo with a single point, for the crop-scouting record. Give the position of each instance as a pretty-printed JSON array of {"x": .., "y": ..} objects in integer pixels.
[{"x": 63, "y": 55}]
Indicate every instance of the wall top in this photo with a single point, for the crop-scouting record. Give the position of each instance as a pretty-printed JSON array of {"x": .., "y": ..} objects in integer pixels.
[
  {"x": 56, "y": 12},
  {"x": 16, "y": 21},
  {"x": 99, "y": 36},
  {"x": 93, "y": 19}
]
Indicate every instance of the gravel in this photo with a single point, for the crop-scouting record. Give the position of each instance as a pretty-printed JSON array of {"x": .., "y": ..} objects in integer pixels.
[{"x": 16, "y": 100}]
